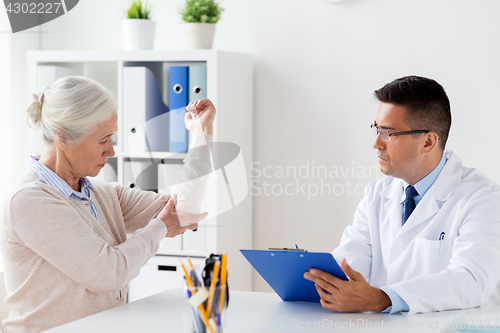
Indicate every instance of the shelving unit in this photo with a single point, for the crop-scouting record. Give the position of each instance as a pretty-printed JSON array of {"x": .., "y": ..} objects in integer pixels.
[{"x": 229, "y": 86}]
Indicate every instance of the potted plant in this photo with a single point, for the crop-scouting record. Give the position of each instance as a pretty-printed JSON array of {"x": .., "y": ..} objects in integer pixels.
[
  {"x": 200, "y": 17},
  {"x": 138, "y": 28}
]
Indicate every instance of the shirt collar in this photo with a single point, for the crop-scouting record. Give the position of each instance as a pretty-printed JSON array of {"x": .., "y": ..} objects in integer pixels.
[
  {"x": 425, "y": 183},
  {"x": 49, "y": 177}
]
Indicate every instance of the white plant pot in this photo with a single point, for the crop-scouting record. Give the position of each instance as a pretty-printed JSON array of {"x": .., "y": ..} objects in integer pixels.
[
  {"x": 138, "y": 34},
  {"x": 199, "y": 35}
]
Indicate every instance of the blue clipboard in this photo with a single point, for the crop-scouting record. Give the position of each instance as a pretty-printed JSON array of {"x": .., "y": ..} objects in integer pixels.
[{"x": 284, "y": 271}]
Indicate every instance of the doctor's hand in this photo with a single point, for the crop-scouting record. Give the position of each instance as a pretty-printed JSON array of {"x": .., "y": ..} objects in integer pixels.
[
  {"x": 201, "y": 115},
  {"x": 353, "y": 295},
  {"x": 178, "y": 223}
]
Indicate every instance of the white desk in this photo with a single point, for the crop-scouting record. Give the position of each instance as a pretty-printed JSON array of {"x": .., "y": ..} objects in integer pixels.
[{"x": 265, "y": 312}]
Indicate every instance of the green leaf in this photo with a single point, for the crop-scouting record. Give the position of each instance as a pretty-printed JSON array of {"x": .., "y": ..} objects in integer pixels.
[
  {"x": 201, "y": 11},
  {"x": 138, "y": 11}
]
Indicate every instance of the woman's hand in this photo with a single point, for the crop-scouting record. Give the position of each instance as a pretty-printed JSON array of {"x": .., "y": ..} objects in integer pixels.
[
  {"x": 178, "y": 223},
  {"x": 201, "y": 115}
]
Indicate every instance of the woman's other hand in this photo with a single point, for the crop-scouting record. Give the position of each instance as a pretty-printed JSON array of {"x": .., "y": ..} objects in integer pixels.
[
  {"x": 178, "y": 223},
  {"x": 201, "y": 115}
]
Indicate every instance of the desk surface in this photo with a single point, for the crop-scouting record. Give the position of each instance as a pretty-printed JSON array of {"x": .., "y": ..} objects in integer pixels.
[{"x": 265, "y": 312}]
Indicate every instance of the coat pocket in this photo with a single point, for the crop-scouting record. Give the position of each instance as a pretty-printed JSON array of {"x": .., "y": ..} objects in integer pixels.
[{"x": 429, "y": 256}]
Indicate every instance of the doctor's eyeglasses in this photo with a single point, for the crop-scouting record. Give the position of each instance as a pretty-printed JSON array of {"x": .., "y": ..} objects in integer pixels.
[{"x": 385, "y": 135}]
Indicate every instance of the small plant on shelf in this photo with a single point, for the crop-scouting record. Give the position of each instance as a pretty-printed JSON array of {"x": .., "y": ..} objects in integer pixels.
[
  {"x": 201, "y": 11},
  {"x": 138, "y": 27},
  {"x": 138, "y": 10}
]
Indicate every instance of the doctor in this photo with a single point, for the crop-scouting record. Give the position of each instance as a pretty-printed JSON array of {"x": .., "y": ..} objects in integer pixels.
[{"x": 426, "y": 237}]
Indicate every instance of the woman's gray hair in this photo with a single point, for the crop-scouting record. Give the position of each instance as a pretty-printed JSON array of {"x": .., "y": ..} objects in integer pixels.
[{"x": 74, "y": 104}]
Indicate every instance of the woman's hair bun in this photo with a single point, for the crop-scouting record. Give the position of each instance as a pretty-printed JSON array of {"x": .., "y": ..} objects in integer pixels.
[
  {"x": 35, "y": 109},
  {"x": 73, "y": 105}
]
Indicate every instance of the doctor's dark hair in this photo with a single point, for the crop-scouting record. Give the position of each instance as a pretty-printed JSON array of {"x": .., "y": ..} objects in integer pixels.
[{"x": 426, "y": 102}]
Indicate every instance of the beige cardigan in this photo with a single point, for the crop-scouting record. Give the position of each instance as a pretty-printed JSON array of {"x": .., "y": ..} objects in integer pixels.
[{"x": 61, "y": 264}]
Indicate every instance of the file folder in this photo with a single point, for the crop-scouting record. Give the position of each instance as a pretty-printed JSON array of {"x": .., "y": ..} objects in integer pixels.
[
  {"x": 197, "y": 82},
  {"x": 284, "y": 271},
  {"x": 197, "y": 86},
  {"x": 156, "y": 115},
  {"x": 178, "y": 100},
  {"x": 145, "y": 116},
  {"x": 168, "y": 175},
  {"x": 140, "y": 174}
]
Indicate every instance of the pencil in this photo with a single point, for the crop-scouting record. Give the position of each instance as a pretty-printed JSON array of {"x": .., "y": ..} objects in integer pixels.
[
  {"x": 188, "y": 278},
  {"x": 223, "y": 277},
  {"x": 215, "y": 276},
  {"x": 202, "y": 310}
]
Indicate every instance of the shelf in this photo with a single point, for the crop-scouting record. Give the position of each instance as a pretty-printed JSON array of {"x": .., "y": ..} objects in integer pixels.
[
  {"x": 153, "y": 155},
  {"x": 183, "y": 253},
  {"x": 156, "y": 155},
  {"x": 139, "y": 55},
  {"x": 229, "y": 86}
]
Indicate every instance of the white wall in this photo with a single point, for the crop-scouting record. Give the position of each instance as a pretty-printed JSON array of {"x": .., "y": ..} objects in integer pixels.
[
  {"x": 13, "y": 101},
  {"x": 5, "y": 168},
  {"x": 5, "y": 118},
  {"x": 316, "y": 66}
]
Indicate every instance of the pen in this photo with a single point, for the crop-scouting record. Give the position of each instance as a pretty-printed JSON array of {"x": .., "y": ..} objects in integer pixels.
[
  {"x": 219, "y": 325},
  {"x": 200, "y": 326},
  {"x": 193, "y": 275},
  {"x": 441, "y": 241},
  {"x": 194, "y": 317}
]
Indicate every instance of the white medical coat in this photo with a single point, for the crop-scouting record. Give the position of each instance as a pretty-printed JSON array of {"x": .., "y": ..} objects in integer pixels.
[{"x": 462, "y": 272}]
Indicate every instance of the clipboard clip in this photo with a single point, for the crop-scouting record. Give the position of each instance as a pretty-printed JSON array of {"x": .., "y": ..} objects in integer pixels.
[{"x": 286, "y": 249}]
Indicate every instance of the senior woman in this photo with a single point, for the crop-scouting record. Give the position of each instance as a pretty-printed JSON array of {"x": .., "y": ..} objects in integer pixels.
[{"x": 65, "y": 249}]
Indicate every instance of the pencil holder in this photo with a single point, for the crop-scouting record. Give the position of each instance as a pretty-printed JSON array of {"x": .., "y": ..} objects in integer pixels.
[{"x": 204, "y": 309}]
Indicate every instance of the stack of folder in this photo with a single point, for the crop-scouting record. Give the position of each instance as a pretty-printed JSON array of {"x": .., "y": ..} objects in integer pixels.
[{"x": 149, "y": 124}]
